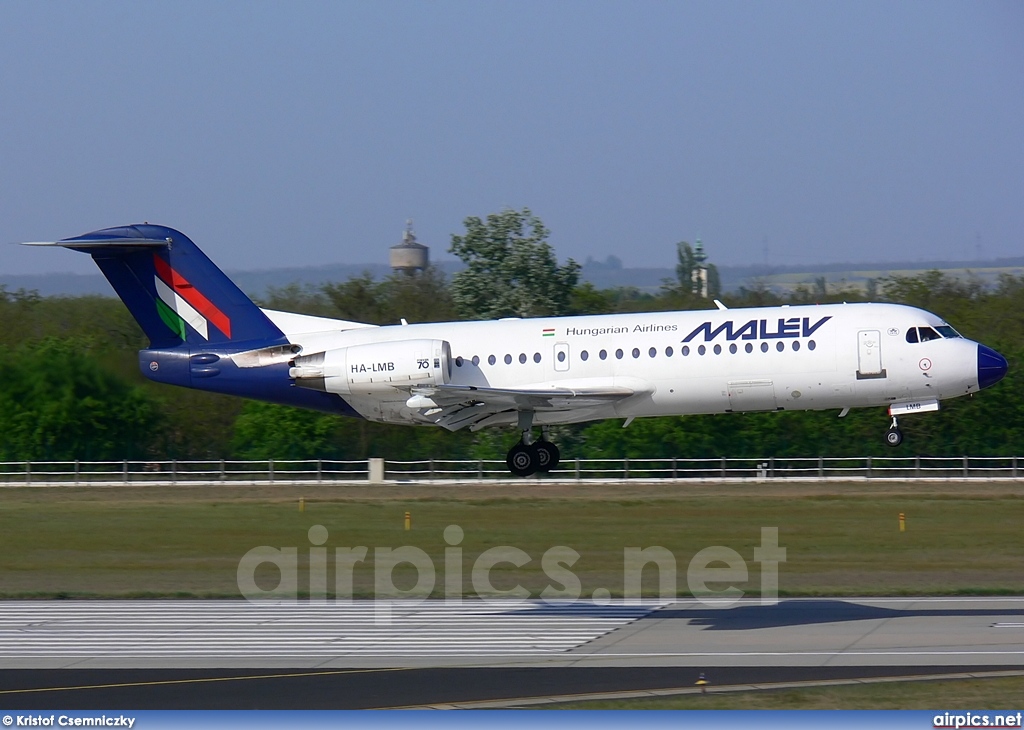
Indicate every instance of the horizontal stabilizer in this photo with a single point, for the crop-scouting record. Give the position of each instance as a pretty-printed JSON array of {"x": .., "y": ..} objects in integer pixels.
[{"x": 102, "y": 243}]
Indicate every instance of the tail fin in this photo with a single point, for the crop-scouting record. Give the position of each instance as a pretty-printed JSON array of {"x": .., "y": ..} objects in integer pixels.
[{"x": 173, "y": 290}]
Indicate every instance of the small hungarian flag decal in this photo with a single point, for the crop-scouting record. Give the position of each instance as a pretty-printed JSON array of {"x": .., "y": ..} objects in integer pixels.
[{"x": 549, "y": 332}]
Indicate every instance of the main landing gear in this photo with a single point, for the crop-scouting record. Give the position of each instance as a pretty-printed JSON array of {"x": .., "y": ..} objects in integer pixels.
[
  {"x": 528, "y": 456},
  {"x": 894, "y": 437},
  {"x": 525, "y": 459}
]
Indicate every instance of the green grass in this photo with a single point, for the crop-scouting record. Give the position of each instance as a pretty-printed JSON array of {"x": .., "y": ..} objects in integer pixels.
[
  {"x": 955, "y": 694},
  {"x": 840, "y": 539}
]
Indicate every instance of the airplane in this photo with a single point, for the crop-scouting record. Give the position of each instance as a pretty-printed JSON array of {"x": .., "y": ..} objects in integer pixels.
[{"x": 206, "y": 334}]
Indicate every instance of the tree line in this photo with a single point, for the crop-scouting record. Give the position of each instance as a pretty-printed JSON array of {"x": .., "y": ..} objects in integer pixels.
[{"x": 70, "y": 387}]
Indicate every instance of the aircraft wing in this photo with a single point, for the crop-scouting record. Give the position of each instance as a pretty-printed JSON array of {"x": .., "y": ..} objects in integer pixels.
[{"x": 457, "y": 406}]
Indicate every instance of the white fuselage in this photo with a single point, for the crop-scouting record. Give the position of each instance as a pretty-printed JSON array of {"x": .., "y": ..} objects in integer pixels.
[{"x": 687, "y": 362}]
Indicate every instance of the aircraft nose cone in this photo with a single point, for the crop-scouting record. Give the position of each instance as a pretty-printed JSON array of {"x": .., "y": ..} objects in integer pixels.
[{"x": 991, "y": 366}]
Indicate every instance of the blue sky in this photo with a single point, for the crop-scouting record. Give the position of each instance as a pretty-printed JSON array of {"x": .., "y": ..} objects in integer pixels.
[{"x": 292, "y": 134}]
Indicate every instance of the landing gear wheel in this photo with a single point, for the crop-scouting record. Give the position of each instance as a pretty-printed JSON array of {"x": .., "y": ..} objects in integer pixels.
[
  {"x": 894, "y": 437},
  {"x": 523, "y": 460},
  {"x": 547, "y": 455}
]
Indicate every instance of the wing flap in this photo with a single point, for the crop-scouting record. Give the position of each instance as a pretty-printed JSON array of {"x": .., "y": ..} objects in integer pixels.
[
  {"x": 457, "y": 406},
  {"x": 536, "y": 399}
]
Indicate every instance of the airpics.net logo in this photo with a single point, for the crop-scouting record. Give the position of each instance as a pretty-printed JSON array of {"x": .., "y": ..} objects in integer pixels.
[
  {"x": 969, "y": 720},
  {"x": 713, "y": 574}
]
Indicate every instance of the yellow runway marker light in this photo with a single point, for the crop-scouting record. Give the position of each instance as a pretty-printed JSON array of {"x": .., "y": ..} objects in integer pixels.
[
  {"x": 408, "y": 521},
  {"x": 702, "y": 682},
  {"x": 903, "y": 523},
  {"x": 302, "y": 504}
]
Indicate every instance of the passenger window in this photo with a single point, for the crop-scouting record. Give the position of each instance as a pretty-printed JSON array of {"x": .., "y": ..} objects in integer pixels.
[
  {"x": 927, "y": 333},
  {"x": 603, "y": 354},
  {"x": 584, "y": 355},
  {"x": 652, "y": 352},
  {"x": 668, "y": 352},
  {"x": 491, "y": 359},
  {"x": 618, "y": 354},
  {"x": 912, "y": 335},
  {"x": 636, "y": 352},
  {"x": 536, "y": 357}
]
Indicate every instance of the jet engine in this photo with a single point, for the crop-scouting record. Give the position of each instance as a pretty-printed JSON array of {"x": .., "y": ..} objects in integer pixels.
[{"x": 375, "y": 368}]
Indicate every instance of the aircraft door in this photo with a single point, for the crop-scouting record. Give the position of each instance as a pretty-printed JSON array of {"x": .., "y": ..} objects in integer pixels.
[
  {"x": 869, "y": 355},
  {"x": 562, "y": 356}
]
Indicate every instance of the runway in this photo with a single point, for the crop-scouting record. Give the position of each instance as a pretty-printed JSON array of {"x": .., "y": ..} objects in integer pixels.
[
  {"x": 436, "y": 688},
  {"x": 237, "y": 655},
  {"x": 818, "y": 632}
]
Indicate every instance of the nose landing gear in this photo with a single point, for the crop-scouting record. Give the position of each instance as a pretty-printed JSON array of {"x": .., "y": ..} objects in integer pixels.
[
  {"x": 894, "y": 437},
  {"x": 528, "y": 456}
]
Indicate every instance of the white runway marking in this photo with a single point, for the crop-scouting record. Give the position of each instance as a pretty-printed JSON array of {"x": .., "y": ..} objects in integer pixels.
[
  {"x": 185, "y": 629},
  {"x": 964, "y": 631}
]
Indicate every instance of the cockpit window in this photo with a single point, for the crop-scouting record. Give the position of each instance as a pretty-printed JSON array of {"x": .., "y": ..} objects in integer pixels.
[{"x": 923, "y": 334}]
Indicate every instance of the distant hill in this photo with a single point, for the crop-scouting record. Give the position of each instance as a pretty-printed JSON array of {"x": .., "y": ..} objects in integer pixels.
[
  {"x": 253, "y": 283},
  {"x": 602, "y": 274},
  {"x": 856, "y": 276},
  {"x": 610, "y": 273}
]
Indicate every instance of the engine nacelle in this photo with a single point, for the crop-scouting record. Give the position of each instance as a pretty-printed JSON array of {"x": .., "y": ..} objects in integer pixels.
[{"x": 375, "y": 368}]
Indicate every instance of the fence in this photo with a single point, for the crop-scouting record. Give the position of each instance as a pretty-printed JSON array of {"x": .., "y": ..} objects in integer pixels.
[{"x": 437, "y": 470}]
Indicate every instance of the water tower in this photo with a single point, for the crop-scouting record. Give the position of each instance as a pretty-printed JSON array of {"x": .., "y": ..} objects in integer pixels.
[{"x": 409, "y": 256}]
